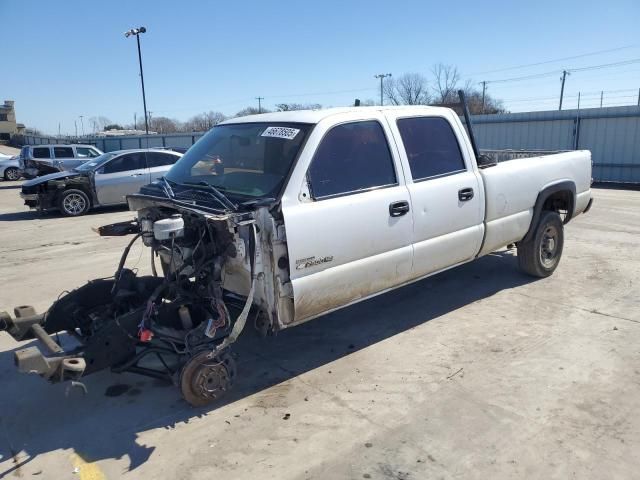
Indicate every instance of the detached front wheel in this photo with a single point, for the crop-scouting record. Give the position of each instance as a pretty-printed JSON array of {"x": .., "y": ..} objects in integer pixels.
[
  {"x": 74, "y": 203},
  {"x": 541, "y": 255},
  {"x": 203, "y": 380}
]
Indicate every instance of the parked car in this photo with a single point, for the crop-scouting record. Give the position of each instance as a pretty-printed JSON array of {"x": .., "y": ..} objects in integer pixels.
[
  {"x": 314, "y": 211},
  {"x": 10, "y": 168},
  {"x": 104, "y": 180},
  {"x": 37, "y": 160}
]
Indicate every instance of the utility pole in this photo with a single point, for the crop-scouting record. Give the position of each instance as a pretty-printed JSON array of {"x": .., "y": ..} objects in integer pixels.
[
  {"x": 578, "y": 100},
  {"x": 58, "y": 129},
  {"x": 639, "y": 97},
  {"x": 82, "y": 124},
  {"x": 259, "y": 103},
  {"x": 137, "y": 32},
  {"x": 382, "y": 76},
  {"x": 601, "y": 95},
  {"x": 135, "y": 121},
  {"x": 564, "y": 76},
  {"x": 484, "y": 89}
]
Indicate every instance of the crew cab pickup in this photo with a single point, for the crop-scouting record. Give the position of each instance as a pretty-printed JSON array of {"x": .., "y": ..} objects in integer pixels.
[{"x": 283, "y": 217}]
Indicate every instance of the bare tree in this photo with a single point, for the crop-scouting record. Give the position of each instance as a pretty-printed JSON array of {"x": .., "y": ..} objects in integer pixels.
[
  {"x": 98, "y": 123},
  {"x": 164, "y": 125},
  {"x": 446, "y": 79},
  {"x": 250, "y": 111},
  {"x": 286, "y": 107},
  {"x": 407, "y": 89},
  {"x": 204, "y": 121},
  {"x": 473, "y": 95}
]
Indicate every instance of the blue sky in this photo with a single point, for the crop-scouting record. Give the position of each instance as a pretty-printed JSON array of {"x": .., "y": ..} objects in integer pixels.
[{"x": 70, "y": 58}]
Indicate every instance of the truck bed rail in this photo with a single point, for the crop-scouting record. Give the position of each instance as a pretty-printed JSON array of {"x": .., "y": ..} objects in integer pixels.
[{"x": 512, "y": 154}]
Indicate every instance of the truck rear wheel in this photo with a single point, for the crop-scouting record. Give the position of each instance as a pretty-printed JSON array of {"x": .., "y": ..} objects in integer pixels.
[
  {"x": 203, "y": 380},
  {"x": 541, "y": 255}
]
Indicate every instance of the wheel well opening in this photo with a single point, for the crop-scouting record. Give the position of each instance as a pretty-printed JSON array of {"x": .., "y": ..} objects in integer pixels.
[{"x": 560, "y": 202}]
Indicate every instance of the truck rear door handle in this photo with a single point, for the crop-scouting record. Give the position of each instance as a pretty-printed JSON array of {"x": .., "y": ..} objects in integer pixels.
[
  {"x": 397, "y": 209},
  {"x": 465, "y": 194}
]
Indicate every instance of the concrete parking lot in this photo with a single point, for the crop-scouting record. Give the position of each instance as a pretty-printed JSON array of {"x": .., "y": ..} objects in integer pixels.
[{"x": 479, "y": 372}]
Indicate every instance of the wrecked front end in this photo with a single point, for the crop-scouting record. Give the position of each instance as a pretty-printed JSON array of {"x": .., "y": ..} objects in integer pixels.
[{"x": 211, "y": 274}]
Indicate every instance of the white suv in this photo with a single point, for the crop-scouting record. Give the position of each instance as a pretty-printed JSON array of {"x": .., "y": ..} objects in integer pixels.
[{"x": 37, "y": 160}]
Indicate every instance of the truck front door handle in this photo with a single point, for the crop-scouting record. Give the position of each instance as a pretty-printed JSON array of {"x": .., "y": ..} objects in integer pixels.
[
  {"x": 397, "y": 209},
  {"x": 465, "y": 194}
]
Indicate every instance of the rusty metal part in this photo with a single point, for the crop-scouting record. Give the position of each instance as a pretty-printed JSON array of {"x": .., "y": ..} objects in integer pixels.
[
  {"x": 31, "y": 360},
  {"x": 203, "y": 380},
  {"x": 46, "y": 340},
  {"x": 20, "y": 326}
]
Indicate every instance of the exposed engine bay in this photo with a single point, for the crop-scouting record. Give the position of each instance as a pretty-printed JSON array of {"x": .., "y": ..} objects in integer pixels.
[{"x": 212, "y": 274}]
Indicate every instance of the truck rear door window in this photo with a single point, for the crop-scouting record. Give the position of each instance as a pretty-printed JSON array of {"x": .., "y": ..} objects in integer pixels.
[
  {"x": 431, "y": 146},
  {"x": 351, "y": 157}
]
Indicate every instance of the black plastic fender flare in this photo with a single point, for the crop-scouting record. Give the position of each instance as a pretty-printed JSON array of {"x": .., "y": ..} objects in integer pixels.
[{"x": 543, "y": 195}]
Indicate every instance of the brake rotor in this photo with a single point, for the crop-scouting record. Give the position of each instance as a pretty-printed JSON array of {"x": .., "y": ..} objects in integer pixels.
[{"x": 203, "y": 380}]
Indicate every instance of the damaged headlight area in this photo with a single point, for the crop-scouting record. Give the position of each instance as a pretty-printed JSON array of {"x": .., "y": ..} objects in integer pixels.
[{"x": 175, "y": 324}]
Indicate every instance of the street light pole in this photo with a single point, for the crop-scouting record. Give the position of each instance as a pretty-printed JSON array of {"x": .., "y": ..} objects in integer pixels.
[
  {"x": 137, "y": 32},
  {"x": 381, "y": 76}
]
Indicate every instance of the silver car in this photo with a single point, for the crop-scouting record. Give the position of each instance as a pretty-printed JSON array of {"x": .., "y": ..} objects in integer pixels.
[
  {"x": 36, "y": 160},
  {"x": 10, "y": 168},
  {"x": 104, "y": 180}
]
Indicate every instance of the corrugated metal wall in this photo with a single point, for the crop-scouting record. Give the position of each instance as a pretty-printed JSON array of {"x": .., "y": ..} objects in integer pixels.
[{"x": 612, "y": 134}]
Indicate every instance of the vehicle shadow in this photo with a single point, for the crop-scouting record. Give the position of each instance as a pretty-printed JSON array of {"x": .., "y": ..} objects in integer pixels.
[
  {"x": 34, "y": 214},
  {"x": 38, "y": 418}
]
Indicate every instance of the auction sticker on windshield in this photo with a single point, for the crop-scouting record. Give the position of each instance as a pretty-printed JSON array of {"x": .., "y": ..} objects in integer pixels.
[{"x": 280, "y": 132}]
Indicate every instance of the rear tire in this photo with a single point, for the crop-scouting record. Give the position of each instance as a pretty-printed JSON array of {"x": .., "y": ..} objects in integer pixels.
[
  {"x": 12, "y": 174},
  {"x": 73, "y": 203},
  {"x": 540, "y": 256}
]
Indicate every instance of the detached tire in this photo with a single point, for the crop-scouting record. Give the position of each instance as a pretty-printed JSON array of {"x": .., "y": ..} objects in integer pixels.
[
  {"x": 540, "y": 256},
  {"x": 12, "y": 173},
  {"x": 73, "y": 203}
]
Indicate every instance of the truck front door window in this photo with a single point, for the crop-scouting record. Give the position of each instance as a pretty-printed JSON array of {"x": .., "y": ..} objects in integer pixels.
[
  {"x": 351, "y": 157},
  {"x": 431, "y": 146}
]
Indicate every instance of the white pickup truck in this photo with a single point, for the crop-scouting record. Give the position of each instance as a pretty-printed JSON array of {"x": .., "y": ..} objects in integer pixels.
[{"x": 279, "y": 218}]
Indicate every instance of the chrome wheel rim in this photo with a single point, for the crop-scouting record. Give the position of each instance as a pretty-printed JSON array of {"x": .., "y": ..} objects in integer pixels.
[
  {"x": 13, "y": 174},
  {"x": 74, "y": 203},
  {"x": 549, "y": 246}
]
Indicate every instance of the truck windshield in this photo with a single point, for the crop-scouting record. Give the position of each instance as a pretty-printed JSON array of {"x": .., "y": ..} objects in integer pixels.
[{"x": 243, "y": 159}]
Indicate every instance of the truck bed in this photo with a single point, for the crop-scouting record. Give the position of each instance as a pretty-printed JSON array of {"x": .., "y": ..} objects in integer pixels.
[{"x": 512, "y": 187}]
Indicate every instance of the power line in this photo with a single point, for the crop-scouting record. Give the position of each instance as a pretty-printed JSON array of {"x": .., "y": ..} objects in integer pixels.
[
  {"x": 568, "y": 70},
  {"x": 599, "y": 52}
]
